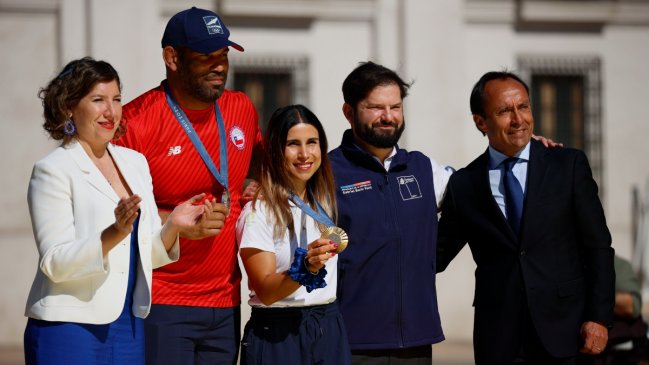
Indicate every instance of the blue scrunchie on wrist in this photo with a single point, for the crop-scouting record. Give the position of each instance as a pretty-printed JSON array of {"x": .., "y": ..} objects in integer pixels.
[{"x": 301, "y": 275}]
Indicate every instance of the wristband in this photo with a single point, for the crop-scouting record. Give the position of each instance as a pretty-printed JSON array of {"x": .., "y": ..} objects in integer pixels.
[{"x": 301, "y": 275}]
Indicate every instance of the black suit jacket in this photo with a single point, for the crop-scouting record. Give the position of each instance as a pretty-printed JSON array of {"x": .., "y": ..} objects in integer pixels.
[{"x": 560, "y": 267}]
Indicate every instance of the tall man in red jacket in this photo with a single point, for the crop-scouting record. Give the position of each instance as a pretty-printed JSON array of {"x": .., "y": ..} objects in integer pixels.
[{"x": 198, "y": 138}]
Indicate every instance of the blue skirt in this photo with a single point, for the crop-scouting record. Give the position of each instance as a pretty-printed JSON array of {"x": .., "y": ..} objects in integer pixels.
[{"x": 69, "y": 343}]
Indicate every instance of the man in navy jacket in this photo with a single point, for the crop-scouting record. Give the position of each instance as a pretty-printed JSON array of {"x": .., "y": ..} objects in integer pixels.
[{"x": 387, "y": 203}]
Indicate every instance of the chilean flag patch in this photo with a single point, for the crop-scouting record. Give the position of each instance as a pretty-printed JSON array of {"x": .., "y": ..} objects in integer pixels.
[{"x": 237, "y": 137}]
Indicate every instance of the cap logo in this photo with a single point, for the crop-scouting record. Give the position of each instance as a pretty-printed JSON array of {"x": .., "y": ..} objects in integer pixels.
[{"x": 213, "y": 25}]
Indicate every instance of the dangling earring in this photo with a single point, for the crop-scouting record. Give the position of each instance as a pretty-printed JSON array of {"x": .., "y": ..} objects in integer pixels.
[{"x": 69, "y": 129}]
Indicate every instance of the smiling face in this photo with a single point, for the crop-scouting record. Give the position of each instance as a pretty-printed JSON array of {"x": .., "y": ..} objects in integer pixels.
[
  {"x": 203, "y": 75},
  {"x": 98, "y": 114},
  {"x": 302, "y": 155},
  {"x": 378, "y": 119},
  {"x": 508, "y": 120}
]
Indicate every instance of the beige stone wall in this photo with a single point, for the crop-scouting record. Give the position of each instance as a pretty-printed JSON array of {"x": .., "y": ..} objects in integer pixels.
[{"x": 30, "y": 55}]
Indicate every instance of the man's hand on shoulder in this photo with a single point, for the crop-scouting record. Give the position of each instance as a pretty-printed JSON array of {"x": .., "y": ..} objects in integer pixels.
[{"x": 547, "y": 142}]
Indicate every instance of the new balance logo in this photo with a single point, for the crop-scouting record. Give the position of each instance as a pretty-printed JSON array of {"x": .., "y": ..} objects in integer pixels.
[{"x": 174, "y": 151}]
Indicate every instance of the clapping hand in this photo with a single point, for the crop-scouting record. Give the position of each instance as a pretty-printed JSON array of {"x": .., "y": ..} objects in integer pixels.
[
  {"x": 196, "y": 220},
  {"x": 125, "y": 214}
]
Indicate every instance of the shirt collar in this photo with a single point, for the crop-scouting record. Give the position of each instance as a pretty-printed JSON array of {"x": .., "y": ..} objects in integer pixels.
[
  {"x": 496, "y": 158},
  {"x": 388, "y": 160}
]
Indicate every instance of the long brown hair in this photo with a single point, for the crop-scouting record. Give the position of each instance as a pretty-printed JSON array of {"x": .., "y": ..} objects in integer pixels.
[{"x": 274, "y": 179}]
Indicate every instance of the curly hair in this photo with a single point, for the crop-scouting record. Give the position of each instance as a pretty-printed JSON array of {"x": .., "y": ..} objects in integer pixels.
[{"x": 66, "y": 90}]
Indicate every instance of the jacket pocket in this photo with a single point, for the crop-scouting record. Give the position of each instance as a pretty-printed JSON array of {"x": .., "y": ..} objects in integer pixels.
[{"x": 77, "y": 293}]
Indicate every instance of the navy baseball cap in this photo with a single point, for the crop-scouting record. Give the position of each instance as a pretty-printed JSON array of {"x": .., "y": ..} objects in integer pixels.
[{"x": 199, "y": 30}]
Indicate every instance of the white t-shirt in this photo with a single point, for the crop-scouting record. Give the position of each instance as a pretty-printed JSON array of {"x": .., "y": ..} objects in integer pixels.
[{"x": 254, "y": 230}]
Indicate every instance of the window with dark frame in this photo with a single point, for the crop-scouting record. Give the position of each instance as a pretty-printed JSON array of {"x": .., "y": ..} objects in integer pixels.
[
  {"x": 270, "y": 82},
  {"x": 558, "y": 107},
  {"x": 267, "y": 91},
  {"x": 566, "y": 102}
]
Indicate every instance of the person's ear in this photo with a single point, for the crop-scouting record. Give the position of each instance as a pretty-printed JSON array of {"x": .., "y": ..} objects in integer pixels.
[
  {"x": 480, "y": 123},
  {"x": 170, "y": 57},
  {"x": 348, "y": 111}
]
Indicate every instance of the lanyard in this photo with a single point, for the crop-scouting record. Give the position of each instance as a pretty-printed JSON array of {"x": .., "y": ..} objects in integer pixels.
[
  {"x": 320, "y": 216},
  {"x": 303, "y": 243},
  {"x": 184, "y": 122}
]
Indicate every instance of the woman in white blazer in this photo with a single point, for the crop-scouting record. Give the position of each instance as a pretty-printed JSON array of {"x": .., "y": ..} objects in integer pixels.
[{"x": 96, "y": 227}]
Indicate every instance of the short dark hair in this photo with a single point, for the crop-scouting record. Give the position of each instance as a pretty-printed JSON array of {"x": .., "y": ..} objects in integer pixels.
[
  {"x": 66, "y": 90},
  {"x": 365, "y": 77},
  {"x": 478, "y": 93}
]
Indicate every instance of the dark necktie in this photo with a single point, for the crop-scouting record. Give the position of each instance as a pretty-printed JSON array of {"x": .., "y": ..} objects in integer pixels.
[{"x": 513, "y": 195}]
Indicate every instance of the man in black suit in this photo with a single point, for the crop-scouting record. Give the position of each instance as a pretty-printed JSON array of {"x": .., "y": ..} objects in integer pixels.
[{"x": 544, "y": 276}]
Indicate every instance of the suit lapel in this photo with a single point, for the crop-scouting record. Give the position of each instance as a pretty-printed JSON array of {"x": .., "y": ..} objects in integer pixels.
[
  {"x": 482, "y": 186},
  {"x": 90, "y": 171},
  {"x": 536, "y": 173},
  {"x": 126, "y": 168}
]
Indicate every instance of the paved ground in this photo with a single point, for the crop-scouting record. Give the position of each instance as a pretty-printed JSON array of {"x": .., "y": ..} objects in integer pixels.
[
  {"x": 11, "y": 356},
  {"x": 446, "y": 353},
  {"x": 450, "y": 353}
]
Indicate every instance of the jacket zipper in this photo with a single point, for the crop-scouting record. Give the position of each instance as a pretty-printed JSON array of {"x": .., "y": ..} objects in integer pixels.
[{"x": 388, "y": 190}]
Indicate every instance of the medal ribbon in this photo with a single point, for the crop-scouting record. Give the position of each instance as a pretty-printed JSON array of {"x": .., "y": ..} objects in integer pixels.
[
  {"x": 303, "y": 243},
  {"x": 184, "y": 122},
  {"x": 320, "y": 216}
]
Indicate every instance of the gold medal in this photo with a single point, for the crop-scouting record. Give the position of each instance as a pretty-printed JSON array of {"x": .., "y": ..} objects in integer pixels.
[{"x": 336, "y": 235}]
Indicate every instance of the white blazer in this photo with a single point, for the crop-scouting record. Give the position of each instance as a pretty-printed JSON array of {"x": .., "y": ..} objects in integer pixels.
[{"x": 71, "y": 203}]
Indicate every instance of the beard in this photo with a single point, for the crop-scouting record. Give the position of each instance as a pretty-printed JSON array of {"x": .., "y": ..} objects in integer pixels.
[
  {"x": 369, "y": 135},
  {"x": 198, "y": 88}
]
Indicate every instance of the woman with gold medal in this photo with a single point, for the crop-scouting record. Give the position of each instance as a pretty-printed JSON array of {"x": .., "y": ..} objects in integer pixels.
[{"x": 288, "y": 246}]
